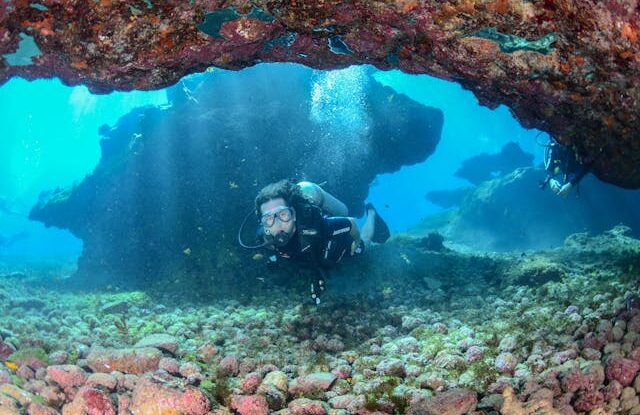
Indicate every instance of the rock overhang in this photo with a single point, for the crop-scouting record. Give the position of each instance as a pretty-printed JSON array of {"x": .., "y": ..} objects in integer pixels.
[{"x": 570, "y": 68}]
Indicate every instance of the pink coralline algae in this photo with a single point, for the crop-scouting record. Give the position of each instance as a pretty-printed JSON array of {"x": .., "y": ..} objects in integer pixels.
[
  {"x": 451, "y": 402},
  {"x": 5, "y": 350},
  {"x": 623, "y": 370},
  {"x": 588, "y": 400},
  {"x": 250, "y": 383},
  {"x": 91, "y": 401},
  {"x": 312, "y": 384},
  {"x": 473, "y": 354},
  {"x": 305, "y": 406},
  {"x": 133, "y": 361},
  {"x": 230, "y": 365},
  {"x": 67, "y": 375},
  {"x": 250, "y": 405},
  {"x": 152, "y": 398}
]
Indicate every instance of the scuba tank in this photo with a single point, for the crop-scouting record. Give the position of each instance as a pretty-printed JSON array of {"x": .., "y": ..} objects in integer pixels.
[{"x": 324, "y": 200}]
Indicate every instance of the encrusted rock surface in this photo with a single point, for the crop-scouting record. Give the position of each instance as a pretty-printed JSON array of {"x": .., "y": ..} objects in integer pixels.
[{"x": 567, "y": 67}]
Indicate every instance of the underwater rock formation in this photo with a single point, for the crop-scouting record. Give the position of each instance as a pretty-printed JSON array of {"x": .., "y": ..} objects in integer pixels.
[
  {"x": 482, "y": 167},
  {"x": 513, "y": 213},
  {"x": 566, "y": 67},
  {"x": 174, "y": 184},
  {"x": 448, "y": 198}
]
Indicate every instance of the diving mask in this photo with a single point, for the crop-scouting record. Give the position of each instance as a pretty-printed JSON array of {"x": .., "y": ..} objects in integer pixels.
[{"x": 282, "y": 213}]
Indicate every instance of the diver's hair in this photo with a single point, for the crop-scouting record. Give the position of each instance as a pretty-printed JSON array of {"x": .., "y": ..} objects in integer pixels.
[{"x": 286, "y": 189}]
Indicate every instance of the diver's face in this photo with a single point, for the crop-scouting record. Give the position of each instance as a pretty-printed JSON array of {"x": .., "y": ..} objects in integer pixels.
[{"x": 275, "y": 211}]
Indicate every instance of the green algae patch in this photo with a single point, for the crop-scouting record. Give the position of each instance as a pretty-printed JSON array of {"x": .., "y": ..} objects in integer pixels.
[
  {"x": 17, "y": 380},
  {"x": 536, "y": 271},
  {"x": 148, "y": 328},
  {"x": 29, "y": 356},
  {"x": 217, "y": 389},
  {"x": 484, "y": 373},
  {"x": 432, "y": 342},
  {"x": 513, "y": 43},
  {"x": 386, "y": 390}
]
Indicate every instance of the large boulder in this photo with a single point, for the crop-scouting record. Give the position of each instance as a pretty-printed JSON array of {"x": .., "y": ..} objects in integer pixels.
[
  {"x": 512, "y": 213},
  {"x": 133, "y": 361},
  {"x": 150, "y": 398}
]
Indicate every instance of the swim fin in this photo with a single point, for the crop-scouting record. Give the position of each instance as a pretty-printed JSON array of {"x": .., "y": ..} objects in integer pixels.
[{"x": 381, "y": 230}]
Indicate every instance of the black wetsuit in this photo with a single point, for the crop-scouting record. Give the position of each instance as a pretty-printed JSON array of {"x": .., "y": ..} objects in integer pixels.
[
  {"x": 563, "y": 165},
  {"x": 319, "y": 242},
  {"x": 323, "y": 244}
]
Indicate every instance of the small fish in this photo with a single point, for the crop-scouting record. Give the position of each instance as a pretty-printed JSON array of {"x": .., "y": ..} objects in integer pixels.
[
  {"x": 261, "y": 279},
  {"x": 11, "y": 365},
  {"x": 187, "y": 251},
  {"x": 386, "y": 292},
  {"x": 257, "y": 257},
  {"x": 233, "y": 185},
  {"x": 405, "y": 258},
  {"x": 200, "y": 228}
]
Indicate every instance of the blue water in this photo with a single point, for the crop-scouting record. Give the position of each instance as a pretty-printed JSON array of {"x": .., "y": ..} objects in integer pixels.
[
  {"x": 468, "y": 129},
  {"x": 51, "y": 140}
]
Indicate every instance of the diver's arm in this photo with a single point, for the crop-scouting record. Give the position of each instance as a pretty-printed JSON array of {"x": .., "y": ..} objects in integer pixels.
[{"x": 355, "y": 235}]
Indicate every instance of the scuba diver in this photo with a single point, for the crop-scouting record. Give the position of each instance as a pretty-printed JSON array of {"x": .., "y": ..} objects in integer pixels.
[
  {"x": 564, "y": 170},
  {"x": 303, "y": 223}
]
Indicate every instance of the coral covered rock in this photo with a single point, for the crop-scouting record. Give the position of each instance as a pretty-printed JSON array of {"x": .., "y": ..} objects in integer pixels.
[
  {"x": 451, "y": 402},
  {"x": 569, "y": 67},
  {"x": 67, "y": 375},
  {"x": 312, "y": 385},
  {"x": 132, "y": 361},
  {"x": 151, "y": 398},
  {"x": 159, "y": 341},
  {"x": 250, "y": 405},
  {"x": 623, "y": 370},
  {"x": 90, "y": 401}
]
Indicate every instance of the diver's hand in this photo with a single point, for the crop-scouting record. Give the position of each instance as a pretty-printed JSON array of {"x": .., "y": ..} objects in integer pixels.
[
  {"x": 554, "y": 185},
  {"x": 565, "y": 190},
  {"x": 272, "y": 263}
]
